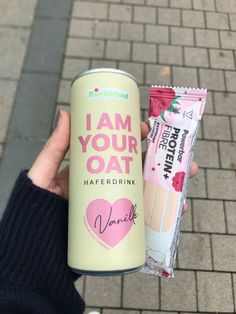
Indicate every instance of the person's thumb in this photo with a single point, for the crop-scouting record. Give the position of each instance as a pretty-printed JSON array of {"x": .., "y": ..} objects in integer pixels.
[{"x": 46, "y": 165}]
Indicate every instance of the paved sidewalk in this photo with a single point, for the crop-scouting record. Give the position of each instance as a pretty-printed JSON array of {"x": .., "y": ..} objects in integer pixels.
[
  {"x": 170, "y": 42},
  {"x": 176, "y": 42},
  {"x": 16, "y": 19}
]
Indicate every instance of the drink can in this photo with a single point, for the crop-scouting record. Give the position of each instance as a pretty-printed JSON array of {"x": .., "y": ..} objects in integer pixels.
[{"x": 106, "y": 224}]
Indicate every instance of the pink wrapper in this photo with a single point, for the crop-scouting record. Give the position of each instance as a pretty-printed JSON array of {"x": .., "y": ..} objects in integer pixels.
[{"x": 174, "y": 118}]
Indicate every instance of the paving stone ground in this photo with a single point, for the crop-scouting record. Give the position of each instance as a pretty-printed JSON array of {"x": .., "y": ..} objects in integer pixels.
[
  {"x": 169, "y": 42},
  {"x": 16, "y": 19}
]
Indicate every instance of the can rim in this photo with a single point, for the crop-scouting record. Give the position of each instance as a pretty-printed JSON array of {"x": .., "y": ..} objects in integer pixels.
[{"x": 104, "y": 70}]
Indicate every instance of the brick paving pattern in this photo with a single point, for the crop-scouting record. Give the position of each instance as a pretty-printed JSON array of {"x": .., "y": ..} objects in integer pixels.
[
  {"x": 172, "y": 42},
  {"x": 169, "y": 42},
  {"x": 16, "y": 19}
]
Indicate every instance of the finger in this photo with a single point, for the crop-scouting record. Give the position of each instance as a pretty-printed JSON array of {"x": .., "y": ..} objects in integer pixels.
[
  {"x": 144, "y": 130},
  {"x": 194, "y": 169},
  {"x": 63, "y": 181},
  {"x": 46, "y": 166},
  {"x": 186, "y": 208}
]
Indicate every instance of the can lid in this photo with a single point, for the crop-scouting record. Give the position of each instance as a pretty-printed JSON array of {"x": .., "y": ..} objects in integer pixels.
[{"x": 104, "y": 70}]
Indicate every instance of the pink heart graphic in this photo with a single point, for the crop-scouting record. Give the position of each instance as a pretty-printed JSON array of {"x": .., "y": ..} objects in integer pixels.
[{"x": 111, "y": 222}]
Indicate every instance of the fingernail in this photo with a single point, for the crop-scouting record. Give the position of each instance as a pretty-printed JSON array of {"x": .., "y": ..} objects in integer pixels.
[{"x": 57, "y": 119}]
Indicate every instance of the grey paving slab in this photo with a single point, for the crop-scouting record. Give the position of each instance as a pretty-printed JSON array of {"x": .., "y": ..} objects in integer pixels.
[
  {"x": 132, "y": 32},
  {"x": 136, "y": 69},
  {"x": 221, "y": 184},
  {"x": 143, "y": 52},
  {"x": 187, "y": 218},
  {"x": 141, "y": 2},
  {"x": 217, "y": 20},
  {"x": 12, "y": 51},
  {"x": 179, "y": 294},
  {"x": 79, "y": 285},
  {"x": 199, "y": 132},
  {"x": 209, "y": 107},
  {"x": 207, "y": 38},
  {"x": 81, "y": 28},
  {"x": 215, "y": 292},
  {"x": 233, "y": 124},
  {"x": 205, "y": 5},
  {"x": 197, "y": 57},
  {"x": 144, "y": 15},
  {"x": 197, "y": 185},
  {"x": 206, "y": 154},
  {"x": 107, "y": 30},
  {"x": 34, "y": 106},
  {"x": 212, "y": 79},
  {"x": 170, "y": 54},
  {"x": 1, "y": 150},
  {"x": 208, "y": 216},
  {"x": 144, "y": 97},
  {"x": 108, "y": 294},
  {"x": 113, "y": 1},
  {"x": 194, "y": 251},
  {"x": 224, "y": 252},
  {"x": 221, "y": 59},
  {"x": 42, "y": 55},
  {"x": 230, "y": 77},
  {"x": 141, "y": 291},
  {"x": 118, "y": 50},
  {"x": 193, "y": 18},
  {"x": 183, "y": 4},
  {"x": 90, "y": 9},
  {"x": 234, "y": 287},
  {"x": 159, "y": 3},
  {"x": 17, "y": 13},
  {"x": 228, "y": 39},
  {"x": 144, "y": 116},
  {"x": 185, "y": 76},
  {"x": 72, "y": 67},
  {"x": 54, "y": 8},
  {"x": 212, "y": 130},
  {"x": 168, "y": 16},
  {"x": 121, "y": 13},
  {"x": 232, "y": 19},
  {"x": 103, "y": 64},
  {"x": 197, "y": 312},
  {"x": 157, "y": 34},
  {"x": 81, "y": 47},
  {"x": 228, "y": 154},
  {"x": 158, "y": 75},
  {"x": 182, "y": 36},
  {"x": 225, "y": 103},
  {"x": 227, "y": 6},
  {"x": 64, "y": 92},
  {"x": 18, "y": 155},
  {"x": 230, "y": 210},
  {"x": 7, "y": 95}
]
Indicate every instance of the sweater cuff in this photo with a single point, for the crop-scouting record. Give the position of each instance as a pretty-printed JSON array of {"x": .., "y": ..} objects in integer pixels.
[{"x": 33, "y": 241}]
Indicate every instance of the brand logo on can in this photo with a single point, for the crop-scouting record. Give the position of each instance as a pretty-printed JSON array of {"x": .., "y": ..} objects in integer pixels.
[{"x": 113, "y": 93}]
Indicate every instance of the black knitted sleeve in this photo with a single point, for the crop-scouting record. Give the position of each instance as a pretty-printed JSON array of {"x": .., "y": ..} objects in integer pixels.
[{"x": 33, "y": 253}]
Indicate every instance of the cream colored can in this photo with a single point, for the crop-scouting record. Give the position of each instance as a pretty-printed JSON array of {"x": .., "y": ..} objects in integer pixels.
[{"x": 106, "y": 225}]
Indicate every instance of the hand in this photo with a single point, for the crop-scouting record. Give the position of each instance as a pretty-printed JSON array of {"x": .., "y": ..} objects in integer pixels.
[{"x": 44, "y": 171}]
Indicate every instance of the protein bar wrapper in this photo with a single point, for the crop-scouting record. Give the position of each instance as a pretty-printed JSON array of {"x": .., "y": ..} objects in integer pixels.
[{"x": 174, "y": 118}]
